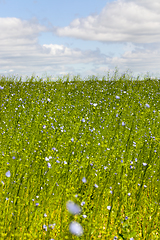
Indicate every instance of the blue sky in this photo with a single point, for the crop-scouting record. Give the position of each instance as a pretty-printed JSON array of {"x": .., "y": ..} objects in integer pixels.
[{"x": 79, "y": 37}]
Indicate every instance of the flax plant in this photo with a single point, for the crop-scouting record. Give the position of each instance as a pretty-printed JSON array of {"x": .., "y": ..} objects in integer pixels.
[{"x": 80, "y": 159}]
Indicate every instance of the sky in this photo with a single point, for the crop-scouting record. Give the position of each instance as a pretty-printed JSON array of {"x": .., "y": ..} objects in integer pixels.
[{"x": 93, "y": 37}]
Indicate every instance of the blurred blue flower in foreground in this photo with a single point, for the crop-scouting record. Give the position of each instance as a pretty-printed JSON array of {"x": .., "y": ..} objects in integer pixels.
[
  {"x": 1, "y": 87},
  {"x": 76, "y": 228},
  {"x": 8, "y": 174},
  {"x": 73, "y": 208}
]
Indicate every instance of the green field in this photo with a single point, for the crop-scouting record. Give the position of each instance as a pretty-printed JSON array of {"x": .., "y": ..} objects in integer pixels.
[{"x": 94, "y": 142}]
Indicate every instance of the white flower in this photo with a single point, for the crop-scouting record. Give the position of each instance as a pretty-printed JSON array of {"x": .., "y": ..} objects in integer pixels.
[
  {"x": 95, "y": 104},
  {"x": 8, "y": 174},
  {"x": 49, "y": 165},
  {"x": 76, "y": 228},
  {"x": 144, "y": 164},
  {"x": 82, "y": 203},
  {"x": 45, "y": 227},
  {"x": 84, "y": 180},
  {"x": 52, "y": 225},
  {"x": 109, "y": 207},
  {"x": 73, "y": 208}
]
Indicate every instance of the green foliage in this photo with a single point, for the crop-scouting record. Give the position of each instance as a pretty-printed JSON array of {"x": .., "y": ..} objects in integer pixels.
[{"x": 53, "y": 134}]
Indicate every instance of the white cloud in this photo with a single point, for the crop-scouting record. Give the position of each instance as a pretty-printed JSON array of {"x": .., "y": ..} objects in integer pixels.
[
  {"x": 139, "y": 60},
  {"x": 14, "y": 28},
  {"x": 135, "y": 21},
  {"x": 152, "y": 5},
  {"x": 21, "y": 52}
]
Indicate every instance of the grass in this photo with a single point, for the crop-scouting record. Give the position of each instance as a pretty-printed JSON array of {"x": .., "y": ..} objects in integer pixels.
[{"x": 94, "y": 142}]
